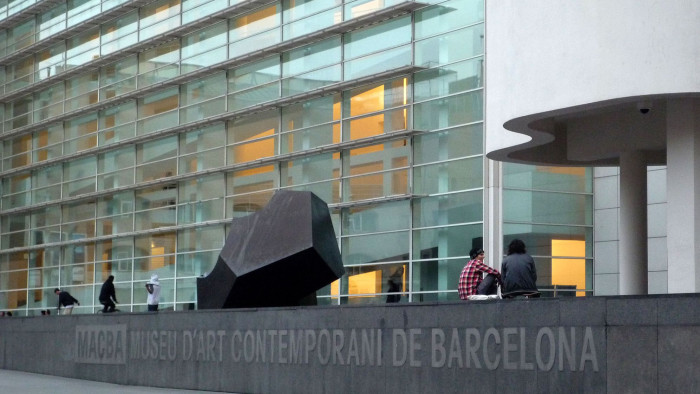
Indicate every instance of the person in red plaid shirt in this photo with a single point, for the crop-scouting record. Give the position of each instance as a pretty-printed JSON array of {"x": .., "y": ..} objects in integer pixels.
[{"x": 472, "y": 274}]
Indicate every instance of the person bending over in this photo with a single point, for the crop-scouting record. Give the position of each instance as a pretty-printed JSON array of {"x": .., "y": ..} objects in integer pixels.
[{"x": 108, "y": 296}]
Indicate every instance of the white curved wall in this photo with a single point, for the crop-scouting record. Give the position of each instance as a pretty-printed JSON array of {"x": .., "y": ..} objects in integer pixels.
[{"x": 563, "y": 61}]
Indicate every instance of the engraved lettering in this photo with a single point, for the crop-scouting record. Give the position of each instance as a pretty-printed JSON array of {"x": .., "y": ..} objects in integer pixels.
[
  {"x": 472, "y": 346},
  {"x": 567, "y": 349},
  {"x": 249, "y": 346},
  {"x": 509, "y": 347},
  {"x": 296, "y": 346},
  {"x": 324, "y": 346},
  {"x": 588, "y": 352},
  {"x": 338, "y": 344},
  {"x": 455, "y": 350},
  {"x": 399, "y": 339},
  {"x": 309, "y": 343},
  {"x": 524, "y": 365},
  {"x": 236, "y": 340},
  {"x": 282, "y": 351},
  {"x": 438, "y": 346},
  {"x": 541, "y": 364},
  {"x": 187, "y": 345},
  {"x": 352, "y": 349},
  {"x": 491, "y": 332},
  {"x": 415, "y": 346}
]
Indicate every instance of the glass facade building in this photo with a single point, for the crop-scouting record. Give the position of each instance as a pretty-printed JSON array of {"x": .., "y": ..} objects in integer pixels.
[{"x": 133, "y": 132}]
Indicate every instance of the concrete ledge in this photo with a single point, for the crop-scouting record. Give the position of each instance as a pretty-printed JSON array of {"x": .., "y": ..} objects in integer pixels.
[{"x": 587, "y": 345}]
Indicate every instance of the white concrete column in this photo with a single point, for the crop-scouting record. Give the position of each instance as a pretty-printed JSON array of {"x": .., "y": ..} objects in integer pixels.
[
  {"x": 493, "y": 232},
  {"x": 633, "y": 223},
  {"x": 683, "y": 191}
]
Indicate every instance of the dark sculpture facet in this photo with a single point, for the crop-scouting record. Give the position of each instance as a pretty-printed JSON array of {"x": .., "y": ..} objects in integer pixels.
[{"x": 278, "y": 256}]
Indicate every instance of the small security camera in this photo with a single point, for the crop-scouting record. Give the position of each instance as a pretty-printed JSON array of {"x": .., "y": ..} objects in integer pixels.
[{"x": 644, "y": 107}]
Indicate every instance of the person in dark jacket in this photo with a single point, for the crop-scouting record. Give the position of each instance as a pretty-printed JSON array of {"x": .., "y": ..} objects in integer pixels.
[
  {"x": 66, "y": 300},
  {"x": 108, "y": 296},
  {"x": 395, "y": 282},
  {"x": 518, "y": 271}
]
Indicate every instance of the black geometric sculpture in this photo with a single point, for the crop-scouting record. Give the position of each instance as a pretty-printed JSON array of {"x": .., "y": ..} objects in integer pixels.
[{"x": 278, "y": 256}]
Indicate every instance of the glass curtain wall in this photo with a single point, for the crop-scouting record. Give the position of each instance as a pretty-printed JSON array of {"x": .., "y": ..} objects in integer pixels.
[
  {"x": 117, "y": 170},
  {"x": 550, "y": 209}
]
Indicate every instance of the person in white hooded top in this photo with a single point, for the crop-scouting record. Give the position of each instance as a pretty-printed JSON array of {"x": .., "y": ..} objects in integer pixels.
[{"x": 153, "y": 288}]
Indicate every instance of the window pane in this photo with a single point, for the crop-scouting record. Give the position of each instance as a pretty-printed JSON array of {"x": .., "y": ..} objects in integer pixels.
[
  {"x": 450, "y": 79},
  {"x": 118, "y": 78},
  {"x": 312, "y": 23},
  {"x": 311, "y": 57},
  {"x": 204, "y": 198},
  {"x": 156, "y": 197},
  {"x": 196, "y": 264},
  {"x": 375, "y": 218},
  {"x": 437, "y": 275},
  {"x": 158, "y": 251},
  {"x": 255, "y": 22},
  {"x": 310, "y": 81},
  {"x": 310, "y": 138},
  {"x": 451, "y": 47},
  {"x": 385, "y": 35},
  {"x": 156, "y": 150},
  {"x": 542, "y": 207},
  {"x": 47, "y": 143},
  {"x": 83, "y": 48},
  {"x": 448, "y": 209},
  {"x": 159, "y": 63},
  {"x": 311, "y": 169},
  {"x": 204, "y": 40},
  {"x": 80, "y": 133},
  {"x": 370, "y": 170},
  {"x": 309, "y": 113},
  {"x": 254, "y": 137},
  {"x": 448, "y": 144},
  {"x": 201, "y": 211},
  {"x": 375, "y": 247},
  {"x": 374, "y": 98},
  {"x": 446, "y": 242},
  {"x": 203, "y": 90},
  {"x": 81, "y": 274},
  {"x": 114, "y": 225},
  {"x": 384, "y": 61},
  {"x": 563, "y": 179},
  {"x": 448, "y": 16},
  {"x": 117, "y": 168},
  {"x": 80, "y": 168},
  {"x": 449, "y": 111},
  {"x": 254, "y": 74},
  {"x": 78, "y": 253},
  {"x": 254, "y": 96},
  {"x": 200, "y": 239},
  {"x": 538, "y": 238},
  {"x": 369, "y": 279},
  {"x": 449, "y": 176}
]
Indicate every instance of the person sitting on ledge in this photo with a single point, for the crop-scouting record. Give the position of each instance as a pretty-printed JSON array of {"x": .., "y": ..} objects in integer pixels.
[
  {"x": 471, "y": 283},
  {"x": 519, "y": 272}
]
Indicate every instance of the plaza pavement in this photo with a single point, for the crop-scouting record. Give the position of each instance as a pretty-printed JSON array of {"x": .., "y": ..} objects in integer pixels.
[{"x": 12, "y": 382}]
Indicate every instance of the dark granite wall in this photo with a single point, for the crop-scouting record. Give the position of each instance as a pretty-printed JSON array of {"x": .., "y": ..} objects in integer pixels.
[{"x": 594, "y": 345}]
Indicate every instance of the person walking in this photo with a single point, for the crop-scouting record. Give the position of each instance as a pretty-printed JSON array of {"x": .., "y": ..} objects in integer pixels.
[
  {"x": 519, "y": 272},
  {"x": 108, "y": 295},
  {"x": 153, "y": 289},
  {"x": 66, "y": 300}
]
